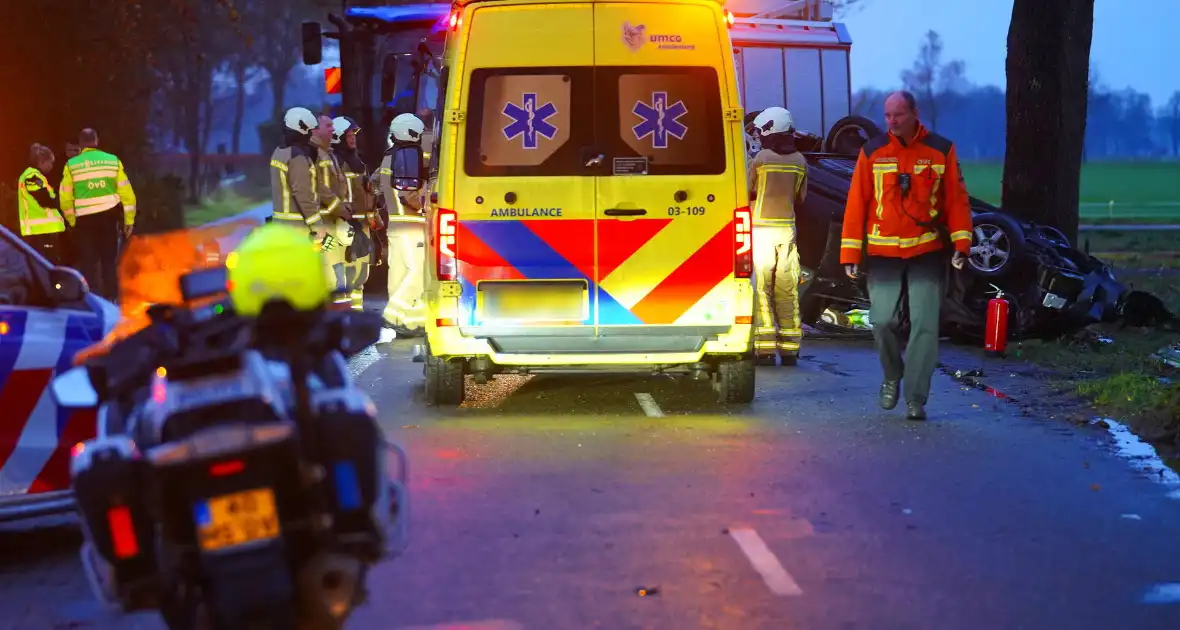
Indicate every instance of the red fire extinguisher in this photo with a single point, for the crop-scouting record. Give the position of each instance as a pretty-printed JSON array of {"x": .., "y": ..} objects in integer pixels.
[{"x": 995, "y": 338}]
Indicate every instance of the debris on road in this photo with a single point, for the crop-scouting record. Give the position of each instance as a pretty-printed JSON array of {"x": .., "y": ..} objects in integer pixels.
[{"x": 647, "y": 591}]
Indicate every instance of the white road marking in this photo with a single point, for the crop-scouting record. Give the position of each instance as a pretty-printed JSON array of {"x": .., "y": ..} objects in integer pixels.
[
  {"x": 649, "y": 405},
  {"x": 364, "y": 360},
  {"x": 1163, "y": 594},
  {"x": 1132, "y": 517},
  {"x": 765, "y": 563}
]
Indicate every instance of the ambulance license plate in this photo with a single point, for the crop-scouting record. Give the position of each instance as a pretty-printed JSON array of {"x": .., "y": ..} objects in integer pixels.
[
  {"x": 236, "y": 519},
  {"x": 533, "y": 301}
]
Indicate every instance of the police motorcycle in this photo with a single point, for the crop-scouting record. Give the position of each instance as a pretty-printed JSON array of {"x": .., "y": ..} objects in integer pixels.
[{"x": 238, "y": 479}]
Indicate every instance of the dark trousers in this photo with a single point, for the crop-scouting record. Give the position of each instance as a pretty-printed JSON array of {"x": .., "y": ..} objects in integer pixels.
[
  {"x": 918, "y": 282},
  {"x": 96, "y": 247},
  {"x": 49, "y": 246}
]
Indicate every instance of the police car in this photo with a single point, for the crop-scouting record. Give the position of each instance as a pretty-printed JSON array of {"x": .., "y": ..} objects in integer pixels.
[{"x": 47, "y": 315}]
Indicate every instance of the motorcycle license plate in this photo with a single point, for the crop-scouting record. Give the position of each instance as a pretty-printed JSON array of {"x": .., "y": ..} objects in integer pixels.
[{"x": 236, "y": 519}]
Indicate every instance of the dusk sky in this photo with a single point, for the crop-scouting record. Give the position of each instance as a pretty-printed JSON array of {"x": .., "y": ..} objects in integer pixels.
[{"x": 1136, "y": 42}]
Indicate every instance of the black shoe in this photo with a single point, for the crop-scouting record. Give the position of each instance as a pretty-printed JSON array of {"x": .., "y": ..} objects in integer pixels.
[
  {"x": 764, "y": 359},
  {"x": 914, "y": 411},
  {"x": 888, "y": 396}
]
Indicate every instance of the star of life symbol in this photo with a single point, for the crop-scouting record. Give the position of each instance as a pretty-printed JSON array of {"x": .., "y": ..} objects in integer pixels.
[
  {"x": 529, "y": 120},
  {"x": 660, "y": 120}
]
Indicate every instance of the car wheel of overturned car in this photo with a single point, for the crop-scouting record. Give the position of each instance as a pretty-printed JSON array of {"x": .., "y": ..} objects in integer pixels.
[
  {"x": 734, "y": 382},
  {"x": 444, "y": 381},
  {"x": 849, "y": 134},
  {"x": 996, "y": 243}
]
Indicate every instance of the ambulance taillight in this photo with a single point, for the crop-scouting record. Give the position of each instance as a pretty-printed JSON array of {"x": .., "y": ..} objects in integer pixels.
[
  {"x": 743, "y": 246},
  {"x": 445, "y": 259}
]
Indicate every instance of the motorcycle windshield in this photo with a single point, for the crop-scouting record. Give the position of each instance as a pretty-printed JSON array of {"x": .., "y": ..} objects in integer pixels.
[{"x": 150, "y": 270}]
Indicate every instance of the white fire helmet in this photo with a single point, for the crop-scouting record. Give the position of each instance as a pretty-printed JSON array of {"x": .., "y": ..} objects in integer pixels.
[
  {"x": 774, "y": 120},
  {"x": 300, "y": 120},
  {"x": 340, "y": 126},
  {"x": 407, "y": 128}
]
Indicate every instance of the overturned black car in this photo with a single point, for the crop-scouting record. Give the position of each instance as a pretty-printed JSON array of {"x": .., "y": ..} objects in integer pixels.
[{"x": 1052, "y": 287}]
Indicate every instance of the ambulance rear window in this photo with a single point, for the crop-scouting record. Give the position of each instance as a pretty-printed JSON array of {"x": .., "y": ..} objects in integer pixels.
[
  {"x": 528, "y": 121},
  {"x": 669, "y": 115}
]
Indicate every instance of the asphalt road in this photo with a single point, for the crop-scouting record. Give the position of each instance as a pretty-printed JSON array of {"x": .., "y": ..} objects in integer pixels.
[{"x": 548, "y": 501}]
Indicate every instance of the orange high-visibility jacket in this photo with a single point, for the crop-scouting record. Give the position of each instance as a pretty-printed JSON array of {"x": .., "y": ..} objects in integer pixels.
[{"x": 903, "y": 226}]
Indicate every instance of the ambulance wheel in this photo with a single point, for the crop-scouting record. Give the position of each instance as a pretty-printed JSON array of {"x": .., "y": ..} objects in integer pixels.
[
  {"x": 444, "y": 381},
  {"x": 734, "y": 382}
]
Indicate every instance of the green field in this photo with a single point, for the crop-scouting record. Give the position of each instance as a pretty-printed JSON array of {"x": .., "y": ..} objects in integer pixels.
[{"x": 1140, "y": 191}]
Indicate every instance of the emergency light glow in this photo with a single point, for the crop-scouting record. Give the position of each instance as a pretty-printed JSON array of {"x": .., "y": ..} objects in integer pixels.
[
  {"x": 456, "y": 21},
  {"x": 122, "y": 532},
  {"x": 729, "y": 18},
  {"x": 4, "y": 328},
  {"x": 445, "y": 255},
  {"x": 743, "y": 254}
]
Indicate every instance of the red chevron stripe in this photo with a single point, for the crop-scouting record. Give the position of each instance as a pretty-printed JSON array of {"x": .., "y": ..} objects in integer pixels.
[
  {"x": 683, "y": 288},
  {"x": 479, "y": 262},
  {"x": 18, "y": 397},
  {"x": 55, "y": 475},
  {"x": 572, "y": 239}
]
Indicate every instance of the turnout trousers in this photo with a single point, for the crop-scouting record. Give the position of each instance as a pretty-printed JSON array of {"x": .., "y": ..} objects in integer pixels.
[
  {"x": 918, "y": 284},
  {"x": 96, "y": 239},
  {"x": 356, "y": 273},
  {"x": 407, "y": 255},
  {"x": 777, "y": 328}
]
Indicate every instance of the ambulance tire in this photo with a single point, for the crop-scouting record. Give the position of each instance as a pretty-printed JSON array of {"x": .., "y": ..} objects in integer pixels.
[
  {"x": 735, "y": 381},
  {"x": 444, "y": 381}
]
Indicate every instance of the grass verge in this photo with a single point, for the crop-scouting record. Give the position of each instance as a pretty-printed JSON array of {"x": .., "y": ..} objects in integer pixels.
[
  {"x": 1114, "y": 368},
  {"x": 1141, "y": 191},
  {"x": 224, "y": 204}
]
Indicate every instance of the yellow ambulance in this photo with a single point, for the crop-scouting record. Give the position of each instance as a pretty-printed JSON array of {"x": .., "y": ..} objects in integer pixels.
[{"x": 588, "y": 208}]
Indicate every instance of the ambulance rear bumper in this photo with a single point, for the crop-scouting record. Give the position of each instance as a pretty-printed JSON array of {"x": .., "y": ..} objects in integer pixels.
[{"x": 594, "y": 346}]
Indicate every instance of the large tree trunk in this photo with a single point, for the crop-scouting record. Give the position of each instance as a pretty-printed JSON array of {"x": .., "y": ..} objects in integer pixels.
[
  {"x": 239, "y": 103},
  {"x": 1048, "y": 67},
  {"x": 278, "y": 89}
]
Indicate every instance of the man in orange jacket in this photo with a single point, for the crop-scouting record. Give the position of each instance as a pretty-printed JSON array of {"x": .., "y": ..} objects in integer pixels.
[{"x": 907, "y": 206}]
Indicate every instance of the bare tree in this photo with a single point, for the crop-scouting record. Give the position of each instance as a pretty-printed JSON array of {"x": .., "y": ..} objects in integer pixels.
[
  {"x": 187, "y": 67},
  {"x": 1048, "y": 67},
  {"x": 276, "y": 46},
  {"x": 931, "y": 80},
  {"x": 1171, "y": 115}
]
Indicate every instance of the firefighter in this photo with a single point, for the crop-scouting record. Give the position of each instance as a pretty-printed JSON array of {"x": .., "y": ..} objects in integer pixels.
[
  {"x": 332, "y": 189},
  {"x": 406, "y": 233},
  {"x": 301, "y": 197},
  {"x": 364, "y": 215},
  {"x": 98, "y": 201},
  {"x": 41, "y": 222},
  {"x": 778, "y": 180},
  {"x": 908, "y": 210}
]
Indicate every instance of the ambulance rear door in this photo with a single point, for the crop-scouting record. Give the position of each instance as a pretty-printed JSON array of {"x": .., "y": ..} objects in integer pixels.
[
  {"x": 523, "y": 199},
  {"x": 666, "y": 194}
]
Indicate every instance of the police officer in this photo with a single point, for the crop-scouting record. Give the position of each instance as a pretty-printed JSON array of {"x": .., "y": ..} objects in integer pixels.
[
  {"x": 300, "y": 198},
  {"x": 97, "y": 200},
  {"x": 357, "y": 194},
  {"x": 41, "y": 222},
  {"x": 406, "y": 233},
  {"x": 778, "y": 180}
]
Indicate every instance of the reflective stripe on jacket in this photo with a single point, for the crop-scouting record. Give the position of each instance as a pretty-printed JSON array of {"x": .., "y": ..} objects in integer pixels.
[
  {"x": 402, "y": 205},
  {"x": 292, "y": 185},
  {"x": 34, "y": 217},
  {"x": 897, "y": 225},
  {"x": 94, "y": 181},
  {"x": 777, "y": 182}
]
